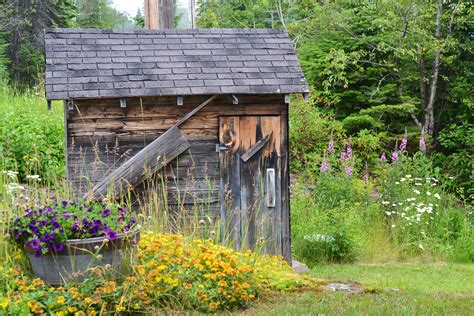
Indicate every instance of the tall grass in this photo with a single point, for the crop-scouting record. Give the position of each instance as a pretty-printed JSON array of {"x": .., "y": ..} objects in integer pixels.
[{"x": 31, "y": 137}]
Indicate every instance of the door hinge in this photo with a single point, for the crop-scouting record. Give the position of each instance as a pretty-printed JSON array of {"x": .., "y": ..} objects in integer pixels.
[{"x": 220, "y": 147}]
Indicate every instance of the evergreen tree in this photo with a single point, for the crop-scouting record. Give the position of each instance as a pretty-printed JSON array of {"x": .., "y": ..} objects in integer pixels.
[
  {"x": 22, "y": 23},
  {"x": 99, "y": 14}
]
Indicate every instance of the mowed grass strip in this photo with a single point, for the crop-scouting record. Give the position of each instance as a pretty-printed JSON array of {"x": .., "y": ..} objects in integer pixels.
[{"x": 424, "y": 289}]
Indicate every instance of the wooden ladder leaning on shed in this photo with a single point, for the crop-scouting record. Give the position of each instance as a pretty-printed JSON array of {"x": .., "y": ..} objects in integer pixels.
[{"x": 153, "y": 157}]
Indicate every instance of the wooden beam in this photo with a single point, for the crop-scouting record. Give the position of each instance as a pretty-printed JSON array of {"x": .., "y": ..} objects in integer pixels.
[
  {"x": 148, "y": 160},
  {"x": 255, "y": 148},
  {"x": 197, "y": 109}
]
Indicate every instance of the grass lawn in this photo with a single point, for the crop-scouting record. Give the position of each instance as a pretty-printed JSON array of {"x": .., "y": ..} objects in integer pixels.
[{"x": 425, "y": 289}]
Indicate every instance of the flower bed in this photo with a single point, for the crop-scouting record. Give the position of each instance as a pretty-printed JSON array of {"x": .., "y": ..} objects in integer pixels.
[{"x": 170, "y": 272}]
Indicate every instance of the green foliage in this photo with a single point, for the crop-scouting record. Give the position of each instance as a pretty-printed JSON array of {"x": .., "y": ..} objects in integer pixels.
[
  {"x": 99, "y": 14},
  {"x": 311, "y": 129},
  {"x": 458, "y": 139},
  {"x": 22, "y": 25},
  {"x": 31, "y": 138},
  {"x": 321, "y": 220}
]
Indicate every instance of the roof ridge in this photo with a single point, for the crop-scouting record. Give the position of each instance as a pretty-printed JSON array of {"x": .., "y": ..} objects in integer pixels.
[{"x": 167, "y": 31}]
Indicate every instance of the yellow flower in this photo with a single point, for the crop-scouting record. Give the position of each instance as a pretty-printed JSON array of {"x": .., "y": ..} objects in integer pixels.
[
  {"x": 4, "y": 303},
  {"x": 60, "y": 300},
  {"x": 213, "y": 305},
  {"x": 120, "y": 308},
  {"x": 79, "y": 313},
  {"x": 71, "y": 309}
]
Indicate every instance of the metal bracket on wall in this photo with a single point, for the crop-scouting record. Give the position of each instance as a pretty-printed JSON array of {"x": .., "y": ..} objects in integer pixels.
[
  {"x": 70, "y": 105},
  {"x": 235, "y": 100},
  {"x": 123, "y": 103},
  {"x": 220, "y": 147},
  {"x": 179, "y": 100}
]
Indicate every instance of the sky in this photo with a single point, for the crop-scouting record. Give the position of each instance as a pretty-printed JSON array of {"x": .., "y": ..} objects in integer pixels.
[{"x": 131, "y": 6}]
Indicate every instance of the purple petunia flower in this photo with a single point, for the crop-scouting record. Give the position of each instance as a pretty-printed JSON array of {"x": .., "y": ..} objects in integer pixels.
[
  {"x": 48, "y": 237},
  {"x": 111, "y": 234},
  {"x": 58, "y": 247},
  {"x": 35, "y": 243},
  {"x": 75, "y": 227},
  {"x": 64, "y": 203},
  {"x": 106, "y": 212}
]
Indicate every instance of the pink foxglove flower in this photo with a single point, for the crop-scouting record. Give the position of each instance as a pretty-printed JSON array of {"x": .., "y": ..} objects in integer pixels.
[
  {"x": 394, "y": 156},
  {"x": 422, "y": 144},
  {"x": 348, "y": 171},
  {"x": 403, "y": 144},
  {"x": 383, "y": 157},
  {"x": 343, "y": 156},
  {"x": 324, "y": 166},
  {"x": 331, "y": 146},
  {"x": 366, "y": 179},
  {"x": 349, "y": 152}
]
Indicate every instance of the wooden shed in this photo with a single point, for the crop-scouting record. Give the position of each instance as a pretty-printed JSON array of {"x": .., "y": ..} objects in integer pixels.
[{"x": 205, "y": 108}]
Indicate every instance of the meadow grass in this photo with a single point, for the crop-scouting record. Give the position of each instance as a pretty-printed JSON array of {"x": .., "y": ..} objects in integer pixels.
[{"x": 422, "y": 289}]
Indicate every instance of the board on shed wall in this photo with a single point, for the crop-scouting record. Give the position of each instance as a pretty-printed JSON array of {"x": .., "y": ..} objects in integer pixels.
[{"x": 102, "y": 136}]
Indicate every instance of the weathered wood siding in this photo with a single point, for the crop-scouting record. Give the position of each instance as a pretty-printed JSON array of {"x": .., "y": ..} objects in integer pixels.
[{"x": 101, "y": 136}]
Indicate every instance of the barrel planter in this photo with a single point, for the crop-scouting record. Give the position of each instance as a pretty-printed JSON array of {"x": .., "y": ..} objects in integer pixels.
[{"x": 74, "y": 263}]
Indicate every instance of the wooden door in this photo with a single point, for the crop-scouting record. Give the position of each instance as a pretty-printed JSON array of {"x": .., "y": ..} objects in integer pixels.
[{"x": 250, "y": 174}]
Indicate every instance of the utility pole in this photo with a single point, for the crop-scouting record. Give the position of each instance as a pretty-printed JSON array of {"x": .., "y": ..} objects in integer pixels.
[
  {"x": 192, "y": 8},
  {"x": 152, "y": 14},
  {"x": 159, "y": 14}
]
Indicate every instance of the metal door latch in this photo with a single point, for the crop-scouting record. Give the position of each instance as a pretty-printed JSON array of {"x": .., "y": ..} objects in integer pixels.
[{"x": 220, "y": 147}]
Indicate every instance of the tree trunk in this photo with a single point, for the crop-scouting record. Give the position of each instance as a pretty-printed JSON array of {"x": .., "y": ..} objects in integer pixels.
[{"x": 429, "y": 110}]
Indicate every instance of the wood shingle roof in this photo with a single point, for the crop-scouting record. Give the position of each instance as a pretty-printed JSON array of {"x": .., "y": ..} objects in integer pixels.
[{"x": 92, "y": 63}]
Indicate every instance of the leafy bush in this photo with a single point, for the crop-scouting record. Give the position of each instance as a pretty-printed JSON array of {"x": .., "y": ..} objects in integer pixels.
[
  {"x": 311, "y": 129},
  {"x": 321, "y": 217},
  {"x": 31, "y": 137},
  {"x": 170, "y": 272},
  {"x": 337, "y": 247}
]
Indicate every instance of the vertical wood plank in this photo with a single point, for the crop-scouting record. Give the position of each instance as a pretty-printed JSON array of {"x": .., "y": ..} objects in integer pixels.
[
  {"x": 251, "y": 175},
  {"x": 271, "y": 216},
  {"x": 285, "y": 181},
  {"x": 230, "y": 181}
]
